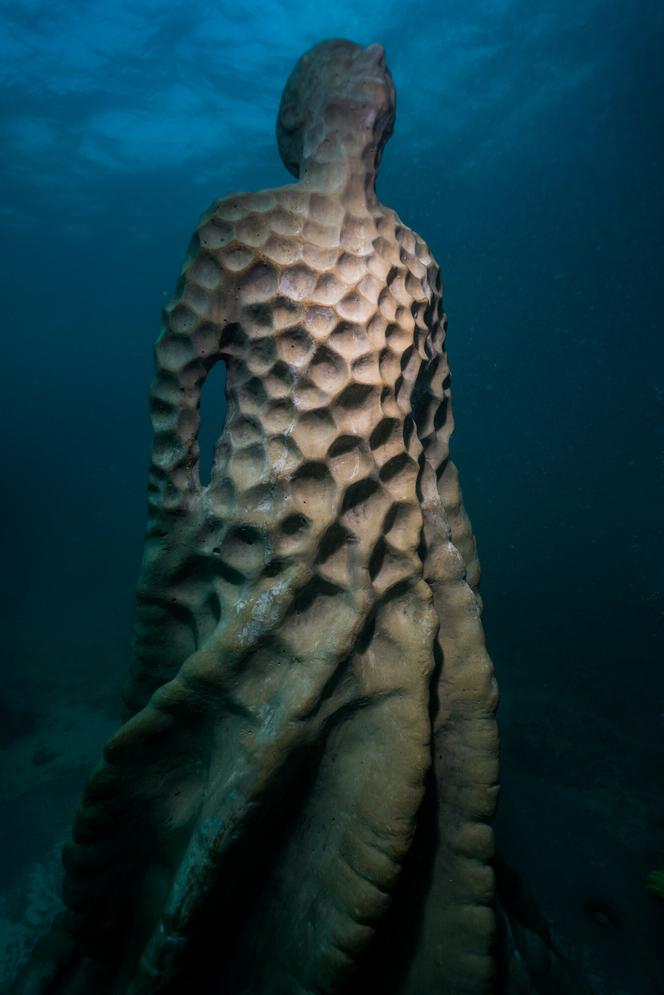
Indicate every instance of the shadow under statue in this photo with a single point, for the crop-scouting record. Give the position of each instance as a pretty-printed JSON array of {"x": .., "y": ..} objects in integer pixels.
[{"x": 300, "y": 798}]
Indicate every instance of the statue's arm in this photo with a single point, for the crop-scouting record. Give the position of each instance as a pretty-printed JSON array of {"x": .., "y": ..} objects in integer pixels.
[
  {"x": 197, "y": 332},
  {"x": 435, "y": 424}
]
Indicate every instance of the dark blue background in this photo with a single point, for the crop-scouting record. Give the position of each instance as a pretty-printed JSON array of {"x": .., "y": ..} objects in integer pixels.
[{"x": 528, "y": 152}]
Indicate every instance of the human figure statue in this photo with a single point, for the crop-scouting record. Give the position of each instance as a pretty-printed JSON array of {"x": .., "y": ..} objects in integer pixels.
[{"x": 299, "y": 802}]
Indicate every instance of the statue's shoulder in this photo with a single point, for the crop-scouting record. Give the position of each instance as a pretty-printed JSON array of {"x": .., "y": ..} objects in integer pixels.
[
  {"x": 411, "y": 244},
  {"x": 413, "y": 252},
  {"x": 238, "y": 206},
  {"x": 250, "y": 218}
]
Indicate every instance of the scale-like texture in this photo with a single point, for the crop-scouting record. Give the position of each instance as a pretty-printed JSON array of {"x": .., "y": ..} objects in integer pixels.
[{"x": 309, "y": 651}]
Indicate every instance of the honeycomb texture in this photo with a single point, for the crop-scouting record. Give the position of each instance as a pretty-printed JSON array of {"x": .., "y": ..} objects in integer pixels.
[{"x": 309, "y": 650}]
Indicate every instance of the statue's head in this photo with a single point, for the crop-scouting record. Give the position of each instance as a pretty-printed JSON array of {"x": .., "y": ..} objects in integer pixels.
[{"x": 336, "y": 86}]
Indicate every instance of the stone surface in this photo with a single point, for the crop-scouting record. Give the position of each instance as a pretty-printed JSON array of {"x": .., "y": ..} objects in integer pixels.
[{"x": 299, "y": 801}]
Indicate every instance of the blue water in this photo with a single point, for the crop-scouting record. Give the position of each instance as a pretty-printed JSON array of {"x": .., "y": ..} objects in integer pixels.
[{"x": 528, "y": 152}]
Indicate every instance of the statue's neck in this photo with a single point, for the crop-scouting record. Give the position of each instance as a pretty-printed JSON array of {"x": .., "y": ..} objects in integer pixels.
[{"x": 342, "y": 166}]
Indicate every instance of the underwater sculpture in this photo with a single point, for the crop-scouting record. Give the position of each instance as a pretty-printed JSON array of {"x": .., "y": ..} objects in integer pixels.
[{"x": 299, "y": 801}]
